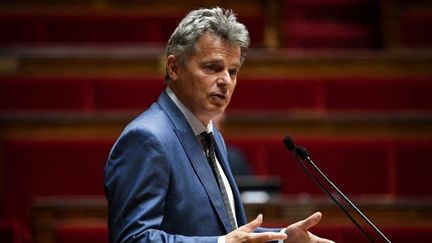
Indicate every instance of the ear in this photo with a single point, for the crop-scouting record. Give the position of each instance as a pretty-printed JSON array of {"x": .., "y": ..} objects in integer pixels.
[{"x": 172, "y": 67}]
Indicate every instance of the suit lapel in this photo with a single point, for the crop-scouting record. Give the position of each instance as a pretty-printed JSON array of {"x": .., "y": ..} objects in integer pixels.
[
  {"x": 240, "y": 214},
  {"x": 205, "y": 174},
  {"x": 196, "y": 157}
]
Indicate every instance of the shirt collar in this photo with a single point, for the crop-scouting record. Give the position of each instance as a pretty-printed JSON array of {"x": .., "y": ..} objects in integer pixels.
[{"x": 193, "y": 121}]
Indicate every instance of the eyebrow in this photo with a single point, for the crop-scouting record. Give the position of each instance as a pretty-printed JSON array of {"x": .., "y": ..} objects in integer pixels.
[{"x": 215, "y": 60}]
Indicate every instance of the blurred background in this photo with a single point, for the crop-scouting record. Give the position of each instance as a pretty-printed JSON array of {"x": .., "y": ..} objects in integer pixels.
[{"x": 351, "y": 80}]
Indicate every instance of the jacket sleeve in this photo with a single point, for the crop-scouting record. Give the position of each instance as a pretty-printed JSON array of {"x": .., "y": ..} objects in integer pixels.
[{"x": 137, "y": 178}]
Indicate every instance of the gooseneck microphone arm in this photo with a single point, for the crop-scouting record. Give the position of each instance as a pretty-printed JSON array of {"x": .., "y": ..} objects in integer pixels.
[
  {"x": 297, "y": 152},
  {"x": 302, "y": 155}
]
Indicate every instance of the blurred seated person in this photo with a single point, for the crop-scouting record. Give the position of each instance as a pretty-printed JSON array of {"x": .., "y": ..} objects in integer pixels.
[
  {"x": 253, "y": 188},
  {"x": 236, "y": 158},
  {"x": 238, "y": 162}
]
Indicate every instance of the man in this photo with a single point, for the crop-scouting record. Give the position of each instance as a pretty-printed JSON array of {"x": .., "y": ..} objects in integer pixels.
[{"x": 167, "y": 177}]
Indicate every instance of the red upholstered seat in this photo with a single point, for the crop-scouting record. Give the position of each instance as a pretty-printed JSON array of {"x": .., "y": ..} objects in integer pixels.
[
  {"x": 369, "y": 166},
  {"x": 12, "y": 231},
  {"x": 330, "y": 24},
  {"x": 96, "y": 27},
  {"x": 415, "y": 27},
  {"x": 379, "y": 94},
  {"x": 387, "y": 94},
  {"x": 412, "y": 165},
  {"x": 255, "y": 25},
  {"x": 267, "y": 94},
  {"x": 329, "y": 3},
  {"x": 358, "y": 167},
  {"x": 43, "y": 94},
  {"x": 54, "y": 94},
  {"x": 324, "y": 34},
  {"x": 126, "y": 94},
  {"x": 81, "y": 233},
  {"x": 78, "y": 27},
  {"x": 409, "y": 234},
  {"x": 50, "y": 168}
]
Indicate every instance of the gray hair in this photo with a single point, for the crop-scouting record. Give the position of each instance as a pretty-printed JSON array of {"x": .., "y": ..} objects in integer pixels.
[{"x": 217, "y": 21}]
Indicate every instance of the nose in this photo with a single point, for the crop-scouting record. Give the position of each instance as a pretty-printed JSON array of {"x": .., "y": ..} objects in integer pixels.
[{"x": 225, "y": 78}]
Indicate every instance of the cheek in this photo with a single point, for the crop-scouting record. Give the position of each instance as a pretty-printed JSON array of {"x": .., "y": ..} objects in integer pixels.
[
  {"x": 232, "y": 87},
  {"x": 234, "y": 83}
]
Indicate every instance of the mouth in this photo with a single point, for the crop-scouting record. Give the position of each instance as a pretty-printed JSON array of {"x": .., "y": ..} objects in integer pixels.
[{"x": 219, "y": 96}]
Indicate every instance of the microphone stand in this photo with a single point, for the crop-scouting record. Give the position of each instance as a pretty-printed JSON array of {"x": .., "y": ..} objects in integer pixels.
[{"x": 302, "y": 155}]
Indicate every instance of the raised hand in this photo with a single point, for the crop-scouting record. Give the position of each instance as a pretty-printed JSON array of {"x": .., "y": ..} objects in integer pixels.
[
  {"x": 299, "y": 232},
  {"x": 245, "y": 233}
]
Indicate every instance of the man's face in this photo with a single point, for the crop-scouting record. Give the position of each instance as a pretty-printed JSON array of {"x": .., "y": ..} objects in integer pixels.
[{"x": 207, "y": 81}]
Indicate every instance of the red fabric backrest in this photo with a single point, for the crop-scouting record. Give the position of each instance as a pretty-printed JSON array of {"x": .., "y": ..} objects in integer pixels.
[{"x": 50, "y": 168}]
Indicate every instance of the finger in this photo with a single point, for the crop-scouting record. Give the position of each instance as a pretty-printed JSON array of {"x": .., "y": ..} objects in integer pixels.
[
  {"x": 319, "y": 239},
  {"x": 311, "y": 221},
  {"x": 267, "y": 236},
  {"x": 251, "y": 226}
]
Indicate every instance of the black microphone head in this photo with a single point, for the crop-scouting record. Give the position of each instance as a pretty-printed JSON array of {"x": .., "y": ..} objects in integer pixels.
[
  {"x": 289, "y": 144},
  {"x": 302, "y": 152}
]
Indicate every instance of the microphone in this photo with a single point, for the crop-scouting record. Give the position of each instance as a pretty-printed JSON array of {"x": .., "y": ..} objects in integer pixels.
[{"x": 303, "y": 156}]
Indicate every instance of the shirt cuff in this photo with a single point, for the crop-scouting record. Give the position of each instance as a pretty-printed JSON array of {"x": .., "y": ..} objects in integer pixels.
[
  {"x": 281, "y": 231},
  {"x": 221, "y": 239}
]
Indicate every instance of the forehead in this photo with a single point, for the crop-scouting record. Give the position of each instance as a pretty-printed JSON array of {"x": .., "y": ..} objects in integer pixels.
[{"x": 209, "y": 46}]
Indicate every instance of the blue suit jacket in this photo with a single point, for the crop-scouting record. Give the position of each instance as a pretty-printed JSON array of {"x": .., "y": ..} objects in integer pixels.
[{"x": 159, "y": 185}]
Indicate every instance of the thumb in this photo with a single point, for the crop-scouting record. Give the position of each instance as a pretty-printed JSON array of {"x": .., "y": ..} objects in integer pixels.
[
  {"x": 309, "y": 222},
  {"x": 252, "y": 225}
]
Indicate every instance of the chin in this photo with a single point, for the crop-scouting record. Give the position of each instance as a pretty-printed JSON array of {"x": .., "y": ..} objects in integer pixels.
[{"x": 215, "y": 113}]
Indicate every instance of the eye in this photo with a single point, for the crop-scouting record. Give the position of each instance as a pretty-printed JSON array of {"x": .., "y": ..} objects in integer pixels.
[
  {"x": 211, "y": 67},
  {"x": 233, "y": 72}
]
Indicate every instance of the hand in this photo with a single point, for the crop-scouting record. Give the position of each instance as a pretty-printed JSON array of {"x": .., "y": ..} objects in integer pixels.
[
  {"x": 298, "y": 232},
  {"x": 245, "y": 233}
]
